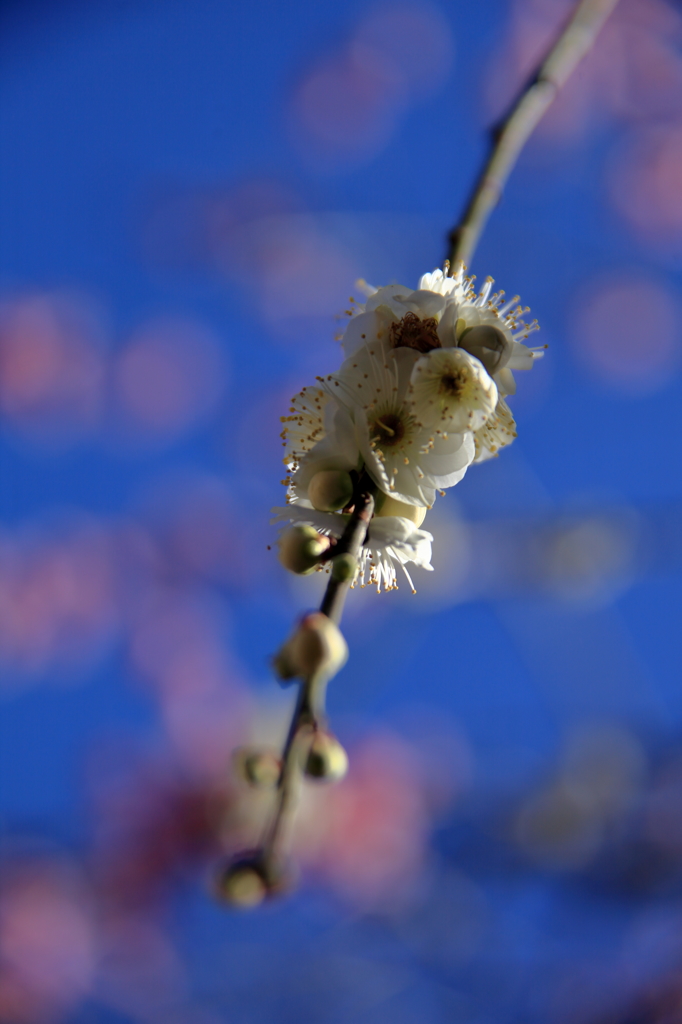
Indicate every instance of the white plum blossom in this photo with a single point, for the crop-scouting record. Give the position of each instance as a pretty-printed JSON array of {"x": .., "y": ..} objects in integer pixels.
[
  {"x": 318, "y": 435},
  {"x": 418, "y": 398},
  {"x": 501, "y": 348},
  {"x": 443, "y": 312},
  {"x": 391, "y": 541},
  {"x": 452, "y": 388},
  {"x": 404, "y": 458}
]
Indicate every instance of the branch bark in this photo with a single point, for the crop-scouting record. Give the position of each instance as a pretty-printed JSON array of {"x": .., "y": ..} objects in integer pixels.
[
  {"x": 350, "y": 543},
  {"x": 309, "y": 713},
  {"x": 510, "y": 136}
]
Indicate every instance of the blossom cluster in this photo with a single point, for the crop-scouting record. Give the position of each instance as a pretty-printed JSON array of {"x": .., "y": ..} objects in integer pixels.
[{"x": 420, "y": 395}]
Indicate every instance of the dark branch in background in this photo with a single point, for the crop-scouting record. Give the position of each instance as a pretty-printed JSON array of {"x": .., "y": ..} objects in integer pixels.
[{"x": 510, "y": 136}]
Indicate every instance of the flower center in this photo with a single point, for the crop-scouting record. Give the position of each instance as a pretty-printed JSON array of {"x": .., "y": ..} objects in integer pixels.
[
  {"x": 451, "y": 384},
  {"x": 412, "y": 332},
  {"x": 388, "y": 430}
]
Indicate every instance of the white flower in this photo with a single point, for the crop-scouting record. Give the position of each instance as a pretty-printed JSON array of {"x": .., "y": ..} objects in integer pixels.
[
  {"x": 419, "y": 396},
  {"x": 395, "y": 317},
  {"x": 405, "y": 458},
  {"x": 452, "y": 388},
  {"x": 447, "y": 312},
  {"x": 391, "y": 541},
  {"x": 318, "y": 435},
  {"x": 304, "y": 424},
  {"x": 485, "y": 327}
]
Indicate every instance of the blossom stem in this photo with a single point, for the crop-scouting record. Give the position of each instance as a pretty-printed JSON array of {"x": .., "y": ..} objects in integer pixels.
[
  {"x": 350, "y": 543},
  {"x": 309, "y": 713},
  {"x": 302, "y": 720},
  {"x": 510, "y": 135}
]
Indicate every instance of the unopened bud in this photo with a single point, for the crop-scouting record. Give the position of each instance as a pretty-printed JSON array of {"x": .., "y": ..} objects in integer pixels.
[
  {"x": 344, "y": 568},
  {"x": 316, "y": 647},
  {"x": 246, "y": 880},
  {"x": 487, "y": 344},
  {"x": 330, "y": 489},
  {"x": 242, "y": 883},
  {"x": 327, "y": 760},
  {"x": 392, "y": 507},
  {"x": 300, "y": 549},
  {"x": 260, "y": 768}
]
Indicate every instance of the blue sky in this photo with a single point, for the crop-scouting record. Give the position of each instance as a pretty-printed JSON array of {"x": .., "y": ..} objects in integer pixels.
[{"x": 163, "y": 164}]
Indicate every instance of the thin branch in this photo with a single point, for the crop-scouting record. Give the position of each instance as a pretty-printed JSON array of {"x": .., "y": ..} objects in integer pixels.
[
  {"x": 309, "y": 712},
  {"x": 285, "y": 799},
  {"x": 510, "y": 136},
  {"x": 351, "y": 542}
]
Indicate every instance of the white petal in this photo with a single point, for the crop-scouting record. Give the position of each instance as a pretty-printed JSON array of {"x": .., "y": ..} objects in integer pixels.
[
  {"x": 447, "y": 470},
  {"x": 343, "y": 430},
  {"x": 332, "y": 523},
  {"x": 446, "y": 325},
  {"x": 523, "y": 357},
  {"x": 505, "y": 381},
  {"x": 452, "y": 389},
  {"x": 500, "y": 430},
  {"x": 411, "y": 488},
  {"x": 409, "y": 543},
  {"x": 426, "y": 304},
  {"x": 337, "y": 450},
  {"x": 305, "y": 423},
  {"x": 366, "y": 329},
  {"x": 394, "y": 296},
  {"x": 438, "y": 282}
]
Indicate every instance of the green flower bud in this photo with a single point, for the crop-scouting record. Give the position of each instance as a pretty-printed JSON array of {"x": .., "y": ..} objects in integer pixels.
[
  {"x": 330, "y": 490},
  {"x": 316, "y": 647},
  {"x": 242, "y": 883},
  {"x": 326, "y": 760},
  {"x": 344, "y": 568},
  {"x": 392, "y": 507},
  {"x": 487, "y": 344},
  {"x": 300, "y": 549},
  {"x": 260, "y": 768},
  {"x": 246, "y": 880}
]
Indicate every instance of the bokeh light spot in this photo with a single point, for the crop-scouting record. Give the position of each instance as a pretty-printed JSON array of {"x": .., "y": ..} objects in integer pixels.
[
  {"x": 626, "y": 330},
  {"x": 51, "y": 366},
  {"x": 346, "y": 107},
  {"x": 645, "y": 183},
  {"x": 169, "y": 377}
]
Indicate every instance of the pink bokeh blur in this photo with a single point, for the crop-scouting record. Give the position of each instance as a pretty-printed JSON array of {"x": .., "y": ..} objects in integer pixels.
[
  {"x": 367, "y": 837},
  {"x": 47, "y": 942},
  {"x": 178, "y": 646},
  {"x": 52, "y": 366},
  {"x": 626, "y": 331},
  {"x": 168, "y": 377},
  {"x": 59, "y": 607},
  {"x": 346, "y": 107},
  {"x": 644, "y": 182},
  {"x": 72, "y": 585},
  {"x": 60, "y": 382},
  {"x": 633, "y": 78}
]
